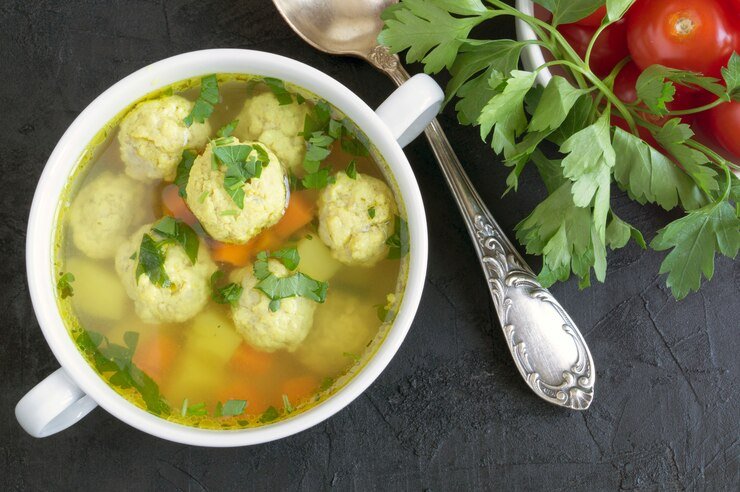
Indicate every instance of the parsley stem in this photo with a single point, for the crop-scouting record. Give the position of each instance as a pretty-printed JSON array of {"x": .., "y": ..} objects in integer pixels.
[
  {"x": 587, "y": 58},
  {"x": 698, "y": 109},
  {"x": 538, "y": 26},
  {"x": 605, "y": 90}
]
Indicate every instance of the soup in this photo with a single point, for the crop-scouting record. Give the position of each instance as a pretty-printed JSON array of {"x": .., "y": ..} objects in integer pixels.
[{"x": 230, "y": 251}]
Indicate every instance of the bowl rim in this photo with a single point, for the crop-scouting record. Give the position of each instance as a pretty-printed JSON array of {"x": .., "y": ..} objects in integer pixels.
[{"x": 63, "y": 161}]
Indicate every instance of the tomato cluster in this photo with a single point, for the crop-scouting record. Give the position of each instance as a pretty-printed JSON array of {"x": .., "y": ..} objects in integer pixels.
[{"x": 698, "y": 36}]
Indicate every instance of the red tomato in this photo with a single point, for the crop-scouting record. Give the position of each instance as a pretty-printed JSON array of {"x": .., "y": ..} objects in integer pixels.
[
  {"x": 593, "y": 20},
  {"x": 610, "y": 47},
  {"x": 723, "y": 124},
  {"x": 624, "y": 83},
  {"x": 684, "y": 34}
]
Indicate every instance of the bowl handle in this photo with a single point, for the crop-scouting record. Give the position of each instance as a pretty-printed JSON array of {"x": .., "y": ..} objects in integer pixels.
[
  {"x": 411, "y": 107},
  {"x": 53, "y": 405}
]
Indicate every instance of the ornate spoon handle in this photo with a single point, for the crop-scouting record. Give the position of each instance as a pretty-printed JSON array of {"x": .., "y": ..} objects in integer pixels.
[{"x": 547, "y": 347}]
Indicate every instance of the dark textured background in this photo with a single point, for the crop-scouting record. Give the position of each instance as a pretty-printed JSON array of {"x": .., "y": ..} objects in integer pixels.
[{"x": 450, "y": 411}]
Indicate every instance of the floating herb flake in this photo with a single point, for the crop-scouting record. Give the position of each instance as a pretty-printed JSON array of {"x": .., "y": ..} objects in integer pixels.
[
  {"x": 208, "y": 97},
  {"x": 64, "y": 285}
]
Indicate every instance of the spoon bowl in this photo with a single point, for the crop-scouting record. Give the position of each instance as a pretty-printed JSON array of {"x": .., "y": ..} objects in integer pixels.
[{"x": 341, "y": 27}]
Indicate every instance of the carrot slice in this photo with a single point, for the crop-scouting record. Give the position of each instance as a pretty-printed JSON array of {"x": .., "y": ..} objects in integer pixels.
[
  {"x": 174, "y": 205},
  {"x": 155, "y": 355},
  {"x": 299, "y": 213},
  {"x": 300, "y": 388},
  {"x": 249, "y": 361},
  {"x": 235, "y": 254}
]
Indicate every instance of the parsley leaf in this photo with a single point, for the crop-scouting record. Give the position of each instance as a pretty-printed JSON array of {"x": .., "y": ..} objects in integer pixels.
[
  {"x": 317, "y": 180},
  {"x": 151, "y": 261},
  {"x": 427, "y": 29},
  {"x": 179, "y": 232},
  {"x": 243, "y": 162},
  {"x": 351, "y": 170},
  {"x": 731, "y": 75},
  {"x": 655, "y": 85},
  {"x": 693, "y": 240},
  {"x": 278, "y": 88},
  {"x": 567, "y": 11},
  {"x": 115, "y": 361},
  {"x": 226, "y": 294},
  {"x": 398, "y": 243},
  {"x": 228, "y": 129},
  {"x": 269, "y": 415},
  {"x": 183, "y": 171},
  {"x": 64, "y": 285},
  {"x": 371, "y": 212},
  {"x": 557, "y": 100},
  {"x": 208, "y": 97},
  {"x": 233, "y": 407},
  {"x": 649, "y": 176},
  {"x": 296, "y": 284},
  {"x": 672, "y": 136},
  {"x": 504, "y": 113},
  {"x": 588, "y": 164}
]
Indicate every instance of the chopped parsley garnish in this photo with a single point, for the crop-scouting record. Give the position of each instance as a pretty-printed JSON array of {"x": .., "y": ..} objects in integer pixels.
[
  {"x": 371, "y": 212},
  {"x": 152, "y": 254},
  {"x": 326, "y": 383},
  {"x": 226, "y": 294},
  {"x": 228, "y": 212},
  {"x": 231, "y": 408},
  {"x": 208, "y": 97},
  {"x": 352, "y": 145},
  {"x": 203, "y": 196},
  {"x": 351, "y": 170},
  {"x": 178, "y": 231},
  {"x": 115, "y": 362},
  {"x": 317, "y": 119},
  {"x": 151, "y": 261},
  {"x": 278, "y": 88},
  {"x": 198, "y": 409},
  {"x": 296, "y": 284},
  {"x": 286, "y": 404},
  {"x": 269, "y": 415},
  {"x": 242, "y": 164},
  {"x": 398, "y": 243},
  {"x": 183, "y": 170},
  {"x": 228, "y": 129},
  {"x": 64, "y": 285},
  {"x": 317, "y": 180}
]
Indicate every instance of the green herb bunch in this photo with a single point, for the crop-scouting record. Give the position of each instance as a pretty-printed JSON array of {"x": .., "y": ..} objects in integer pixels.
[{"x": 572, "y": 227}]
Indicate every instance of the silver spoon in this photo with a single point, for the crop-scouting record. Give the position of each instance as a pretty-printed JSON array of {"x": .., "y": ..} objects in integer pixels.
[{"x": 547, "y": 347}]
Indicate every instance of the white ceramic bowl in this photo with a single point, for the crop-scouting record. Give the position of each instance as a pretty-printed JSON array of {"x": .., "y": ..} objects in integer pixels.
[{"x": 75, "y": 389}]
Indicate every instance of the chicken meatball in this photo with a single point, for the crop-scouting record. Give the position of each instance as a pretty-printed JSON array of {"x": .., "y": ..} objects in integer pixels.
[
  {"x": 104, "y": 212},
  {"x": 343, "y": 327},
  {"x": 264, "y": 198},
  {"x": 263, "y": 118},
  {"x": 189, "y": 288},
  {"x": 153, "y": 135},
  {"x": 356, "y": 218},
  {"x": 264, "y": 329}
]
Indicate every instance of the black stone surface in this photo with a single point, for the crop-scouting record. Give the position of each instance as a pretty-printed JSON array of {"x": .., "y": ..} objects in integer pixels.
[{"x": 450, "y": 411}]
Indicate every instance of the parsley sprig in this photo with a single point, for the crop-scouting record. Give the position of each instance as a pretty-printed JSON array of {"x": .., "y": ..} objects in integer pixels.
[
  {"x": 295, "y": 284},
  {"x": 152, "y": 253},
  {"x": 575, "y": 224},
  {"x": 204, "y": 105}
]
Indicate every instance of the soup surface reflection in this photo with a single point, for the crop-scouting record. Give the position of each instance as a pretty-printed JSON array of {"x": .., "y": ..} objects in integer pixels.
[{"x": 231, "y": 251}]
